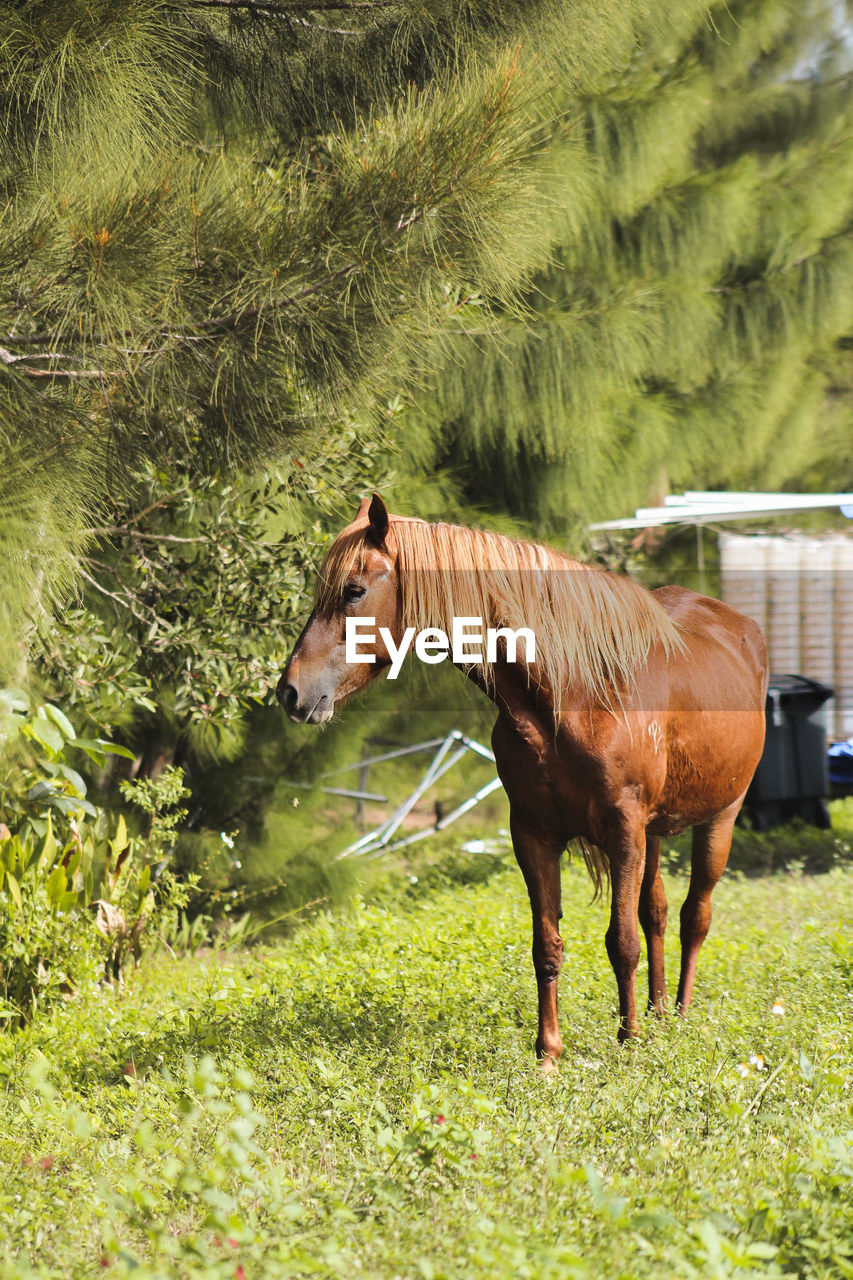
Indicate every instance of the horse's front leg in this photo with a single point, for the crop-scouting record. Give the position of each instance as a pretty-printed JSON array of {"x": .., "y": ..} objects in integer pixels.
[
  {"x": 626, "y": 851},
  {"x": 538, "y": 854}
]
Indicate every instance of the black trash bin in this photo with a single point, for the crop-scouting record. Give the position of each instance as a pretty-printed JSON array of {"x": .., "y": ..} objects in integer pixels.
[{"x": 792, "y": 779}]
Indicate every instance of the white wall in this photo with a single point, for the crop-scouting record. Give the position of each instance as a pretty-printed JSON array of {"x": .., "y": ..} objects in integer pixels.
[{"x": 800, "y": 591}]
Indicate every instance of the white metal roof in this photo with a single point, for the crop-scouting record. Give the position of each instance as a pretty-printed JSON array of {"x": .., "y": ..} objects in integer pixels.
[{"x": 696, "y": 506}]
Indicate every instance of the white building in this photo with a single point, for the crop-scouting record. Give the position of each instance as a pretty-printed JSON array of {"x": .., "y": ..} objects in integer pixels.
[{"x": 799, "y": 589}]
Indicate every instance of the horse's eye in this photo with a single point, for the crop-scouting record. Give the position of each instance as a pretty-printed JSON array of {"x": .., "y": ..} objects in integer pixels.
[{"x": 353, "y": 592}]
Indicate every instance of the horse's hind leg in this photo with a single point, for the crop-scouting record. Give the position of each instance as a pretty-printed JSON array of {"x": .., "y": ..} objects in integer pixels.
[
  {"x": 711, "y": 844},
  {"x": 653, "y": 911},
  {"x": 626, "y": 850}
]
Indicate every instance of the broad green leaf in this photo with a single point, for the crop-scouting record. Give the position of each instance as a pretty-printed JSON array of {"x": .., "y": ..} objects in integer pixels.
[
  {"x": 760, "y": 1249},
  {"x": 97, "y": 748},
  {"x": 72, "y": 776},
  {"x": 56, "y": 884},
  {"x": 25, "y": 853},
  {"x": 114, "y": 749},
  {"x": 47, "y": 849},
  {"x": 68, "y": 900},
  {"x": 9, "y": 853},
  {"x": 60, "y": 719},
  {"x": 39, "y": 792},
  {"x": 72, "y": 805},
  {"x": 88, "y": 852},
  {"x": 45, "y": 733},
  {"x": 14, "y": 890},
  {"x": 13, "y": 700},
  {"x": 120, "y": 839}
]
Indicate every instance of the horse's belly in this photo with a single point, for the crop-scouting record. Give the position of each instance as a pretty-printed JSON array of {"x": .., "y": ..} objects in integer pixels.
[{"x": 710, "y": 760}]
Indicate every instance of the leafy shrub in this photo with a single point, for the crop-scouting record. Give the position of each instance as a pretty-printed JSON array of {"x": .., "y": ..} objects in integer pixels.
[
  {"x": 77, "y": 891},
  {"x": 46, "y": 946},
  {"x": 794, "y": 846},
  {"x": 159, "y": 798}
]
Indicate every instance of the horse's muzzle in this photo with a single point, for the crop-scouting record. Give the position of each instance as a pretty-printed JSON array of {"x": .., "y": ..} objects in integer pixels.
[{"x": 314, "y": 708}]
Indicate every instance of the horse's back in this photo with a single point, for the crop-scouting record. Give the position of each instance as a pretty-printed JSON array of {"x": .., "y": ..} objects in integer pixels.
[{"x": 731, "y": 643}]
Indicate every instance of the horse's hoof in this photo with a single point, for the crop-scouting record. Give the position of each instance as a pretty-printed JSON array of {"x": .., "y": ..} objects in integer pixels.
[{"x": 547, "y": 1066}]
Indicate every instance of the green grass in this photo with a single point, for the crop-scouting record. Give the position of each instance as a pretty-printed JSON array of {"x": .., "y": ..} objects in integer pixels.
[{"x": 360, "y": 1100}]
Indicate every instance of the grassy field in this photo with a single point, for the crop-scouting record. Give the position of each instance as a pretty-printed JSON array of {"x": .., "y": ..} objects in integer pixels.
[{"x": 360, "y": 1100}]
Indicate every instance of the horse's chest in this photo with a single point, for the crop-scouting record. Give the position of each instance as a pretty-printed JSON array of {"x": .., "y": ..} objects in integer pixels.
[{"x": 557, "y": 789}]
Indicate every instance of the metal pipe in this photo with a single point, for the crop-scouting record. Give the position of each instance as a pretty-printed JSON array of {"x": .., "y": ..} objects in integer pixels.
[
  {"x": 377, "y": 841},
  {"x": 389, "y": 755},
  {"x": 428, "y": 779},
  {"x": 445, "y": 822}
]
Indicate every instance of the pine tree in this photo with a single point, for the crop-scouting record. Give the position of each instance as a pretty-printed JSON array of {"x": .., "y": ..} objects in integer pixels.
[
  {"x": 228, "y": 223},
  {"x": 693, "y": 329}
]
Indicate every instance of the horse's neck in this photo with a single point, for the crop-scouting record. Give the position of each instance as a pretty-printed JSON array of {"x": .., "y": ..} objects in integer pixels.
[{"x": 507, "y": 686}]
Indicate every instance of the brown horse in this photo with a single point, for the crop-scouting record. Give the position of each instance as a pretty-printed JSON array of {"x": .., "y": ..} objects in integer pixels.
[{"x": 642, "y": 714}]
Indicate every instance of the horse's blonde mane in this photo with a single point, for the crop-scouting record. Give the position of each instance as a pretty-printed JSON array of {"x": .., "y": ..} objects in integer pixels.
[{"x": 592, "y": 628}]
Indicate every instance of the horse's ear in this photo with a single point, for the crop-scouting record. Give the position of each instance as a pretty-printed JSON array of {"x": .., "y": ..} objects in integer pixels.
[
  {"x": 377, "y": 514},
  {"x": 361, "y": 514}
]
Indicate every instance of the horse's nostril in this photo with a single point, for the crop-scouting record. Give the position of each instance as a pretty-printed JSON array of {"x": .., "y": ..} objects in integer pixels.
[{"x": 288, "y": 697}]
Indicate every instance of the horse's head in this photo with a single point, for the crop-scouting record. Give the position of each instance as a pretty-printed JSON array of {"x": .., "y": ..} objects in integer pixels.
[{"x": 359, "y": 579}]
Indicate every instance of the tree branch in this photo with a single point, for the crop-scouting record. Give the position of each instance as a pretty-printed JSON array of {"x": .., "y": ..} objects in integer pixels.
[
  {"x": 152, "y": 506},
  {"x": 125, "y": 531},
  {"x": 127, "y": 602},
  {"x": 27, "y": 369},
  {"x": 283, "y": 9}
]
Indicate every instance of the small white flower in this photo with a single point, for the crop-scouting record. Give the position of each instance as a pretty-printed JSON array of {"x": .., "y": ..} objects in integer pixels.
[
  {"x": 226, "y": 840},
  {"x": 413, "y": 879},
  {"x": 743, "y": 1069},
  {"x": 757, "y": 1061},
  {"x": 778, "y": 1010}
]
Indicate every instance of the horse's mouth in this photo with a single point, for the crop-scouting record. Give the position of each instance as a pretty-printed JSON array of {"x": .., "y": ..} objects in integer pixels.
[{"x": 322, "y": 711}]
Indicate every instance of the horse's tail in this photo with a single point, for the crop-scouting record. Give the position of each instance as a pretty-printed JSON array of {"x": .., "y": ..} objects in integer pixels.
[{"x": 596, "y": 862}]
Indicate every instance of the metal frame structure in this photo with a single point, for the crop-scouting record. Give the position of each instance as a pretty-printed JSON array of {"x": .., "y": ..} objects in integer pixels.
[{"x": 449, "y": 751}]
